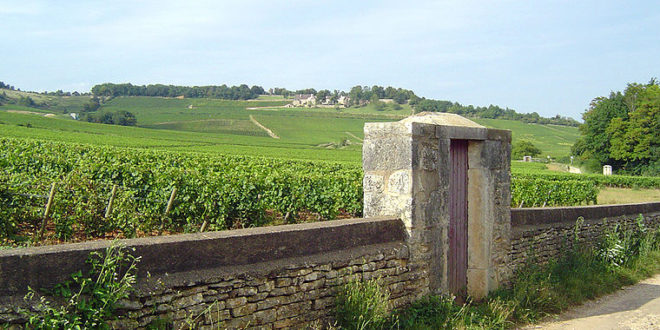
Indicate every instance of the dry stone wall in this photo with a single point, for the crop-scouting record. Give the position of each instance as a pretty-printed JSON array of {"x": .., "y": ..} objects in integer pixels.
[
  {"x": 293, "y": 295},
  {"x": 268, "y": 278},
  {"x": 543, "y": 233}
]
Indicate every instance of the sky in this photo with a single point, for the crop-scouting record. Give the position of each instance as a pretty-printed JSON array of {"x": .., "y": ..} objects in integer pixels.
[{"x": 550, "y": 57}]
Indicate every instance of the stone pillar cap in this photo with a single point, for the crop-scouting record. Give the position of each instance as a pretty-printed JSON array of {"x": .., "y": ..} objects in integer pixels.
[{"x": 443, "y": 119}]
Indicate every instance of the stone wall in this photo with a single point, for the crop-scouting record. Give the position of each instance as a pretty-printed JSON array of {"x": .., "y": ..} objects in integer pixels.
[
  {"x": 275, "y": 277},
  {"x": 544, "y": 232}
]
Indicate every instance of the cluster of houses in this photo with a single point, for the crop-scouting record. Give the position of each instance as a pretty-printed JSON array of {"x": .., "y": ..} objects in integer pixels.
[{"x": 309, "y": 100}]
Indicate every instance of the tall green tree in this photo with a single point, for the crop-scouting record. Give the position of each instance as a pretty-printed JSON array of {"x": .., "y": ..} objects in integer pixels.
[
  {"x": 594, "y": 144},
  {"x": 636, "y": 141},
  {"x": 623, "y": 130}
]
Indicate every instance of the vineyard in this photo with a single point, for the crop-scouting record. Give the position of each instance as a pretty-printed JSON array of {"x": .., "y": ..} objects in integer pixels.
[
  {"x": 101, "y": 191},
  {"x": 225, "y": 192}
]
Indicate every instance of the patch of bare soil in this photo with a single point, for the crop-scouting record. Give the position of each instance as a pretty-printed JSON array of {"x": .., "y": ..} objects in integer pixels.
[{"x": 32, "y": 113}]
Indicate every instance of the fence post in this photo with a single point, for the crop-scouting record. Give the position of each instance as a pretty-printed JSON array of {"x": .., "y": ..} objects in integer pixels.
[
  {"x": 49, "y": 204},
  {"x": 108, "y": 210},
  {"x": 169, "y": 203}
]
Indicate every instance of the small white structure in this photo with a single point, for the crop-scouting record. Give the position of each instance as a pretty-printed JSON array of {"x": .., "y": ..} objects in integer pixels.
[
  {"x": 527, "y": 159},
  {"x": 74, "y": 115},
  {"x": 607, "y": 169}
]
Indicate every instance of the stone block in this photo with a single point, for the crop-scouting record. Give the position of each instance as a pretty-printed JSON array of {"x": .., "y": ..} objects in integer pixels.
[
  {"x": 239, "y": 322},
  {"x": 235, "y": 302},
  {"x": 477, "y": 283},
  {"x": 266, "y": 286},
  {"x": 386, "y": 130},
  {"x": 387, "y": 154},
  {"x": 425, "y": 157},
  {"x": 373, "y": 183},
  {"x": 307, "y": 286},
  {"x": 265, "y": 316},
  {"x": 188, "y": 301},
  {"x": 245, "y": 292},
  {"x": 311, "y": 277},
  {"x": 293, "y": 310},
  {"x": 130, "y": 305},
  {"x": 282, "y": 282},
  {"x": 269, "y": 303},
  {"x": 400, "y": 182},
  {"x": 286, "y": 323},
  {"x": 243, "y": 310},
  {"x": 258, "y": 297},
  {"x": 499, "y": 135},
  {"x": 283, "y": 291}
]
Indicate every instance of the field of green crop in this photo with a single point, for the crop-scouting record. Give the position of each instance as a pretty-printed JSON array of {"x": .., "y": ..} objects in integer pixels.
[
  {"x": 220, "y": 192},
  {"x": 66, "y": 130}
]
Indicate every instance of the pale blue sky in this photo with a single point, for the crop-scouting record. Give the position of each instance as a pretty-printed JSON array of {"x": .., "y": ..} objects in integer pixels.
[{"x": 551, "y": 57}]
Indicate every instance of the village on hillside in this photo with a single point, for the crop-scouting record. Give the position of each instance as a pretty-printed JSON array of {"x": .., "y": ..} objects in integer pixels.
[{"x": 309, "y": 100}]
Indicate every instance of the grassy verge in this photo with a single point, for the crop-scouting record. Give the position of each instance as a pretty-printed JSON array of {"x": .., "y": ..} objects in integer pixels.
[
  {"x": 612, "y": 195},
  {"x": 584, "y": 272}
]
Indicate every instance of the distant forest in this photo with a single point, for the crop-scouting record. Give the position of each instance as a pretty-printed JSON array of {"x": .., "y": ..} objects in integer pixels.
[
  {"x": 491, "y": 112},
  {"x": 358, "y": 96},
  {"x": 242, "y": 92}
]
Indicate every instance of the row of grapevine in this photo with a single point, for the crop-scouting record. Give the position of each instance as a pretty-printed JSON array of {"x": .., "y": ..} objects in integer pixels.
[
  {"x": 622, "y": 181},
  {"x": 226, "y": 192},
  {"x": 542, "y": 192},
  {"x": 222, "y": 191}
]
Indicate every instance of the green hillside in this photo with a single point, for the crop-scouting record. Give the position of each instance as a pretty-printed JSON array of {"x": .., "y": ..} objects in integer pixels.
[
  {"x": 553, "y": 140},
  {"x": 230, "y": 127}
]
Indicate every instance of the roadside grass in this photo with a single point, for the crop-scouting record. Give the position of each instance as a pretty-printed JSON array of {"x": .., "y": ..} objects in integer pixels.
[
  {"x": 538, "y": 290},
  {"x": 610, "y": 195}
]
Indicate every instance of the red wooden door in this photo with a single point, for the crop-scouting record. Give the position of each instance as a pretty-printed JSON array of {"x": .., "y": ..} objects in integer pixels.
[{"x": 457, "y": 267}]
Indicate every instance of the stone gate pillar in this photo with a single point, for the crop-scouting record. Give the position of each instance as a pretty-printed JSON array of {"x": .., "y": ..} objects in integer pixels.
[{"x": 406, "y": 174}]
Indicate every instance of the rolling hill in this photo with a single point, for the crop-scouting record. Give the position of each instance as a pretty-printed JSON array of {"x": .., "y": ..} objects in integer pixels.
[{"x": 228, "y": 127}]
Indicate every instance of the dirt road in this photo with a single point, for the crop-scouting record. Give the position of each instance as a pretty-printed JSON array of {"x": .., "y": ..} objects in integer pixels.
[
  {"x": 635, "y": 307},
  {"x": 268, "y": 131}
]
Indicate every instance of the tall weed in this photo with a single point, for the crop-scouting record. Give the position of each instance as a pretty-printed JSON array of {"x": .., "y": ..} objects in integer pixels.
[
  {"x": 363, "y": 305},
  {"x": 88, "y": 301}
]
